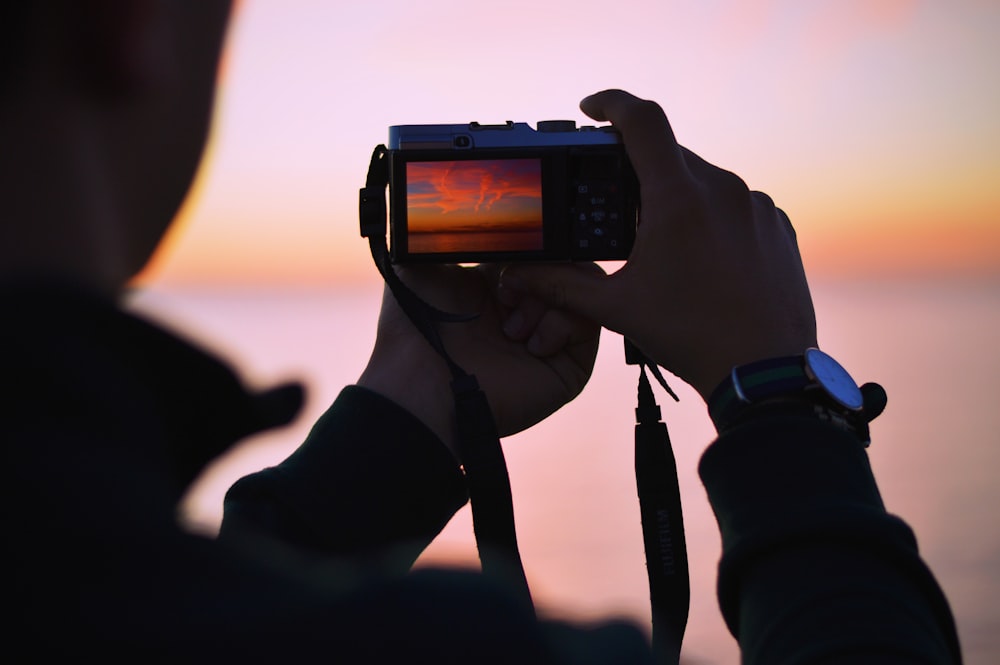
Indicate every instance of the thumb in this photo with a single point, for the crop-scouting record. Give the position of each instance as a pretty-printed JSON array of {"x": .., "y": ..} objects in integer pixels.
[{"x": 580, "y": 288}]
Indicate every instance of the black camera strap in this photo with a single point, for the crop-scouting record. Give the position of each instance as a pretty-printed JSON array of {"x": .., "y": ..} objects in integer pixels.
[
  {"x": 478, "y": 441},
  {"x": 661, "y": 515},
  {"x": 486, "y": 469}
]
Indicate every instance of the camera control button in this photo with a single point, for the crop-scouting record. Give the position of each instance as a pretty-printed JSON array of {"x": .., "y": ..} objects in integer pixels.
[{"x": 557, "y": 125}]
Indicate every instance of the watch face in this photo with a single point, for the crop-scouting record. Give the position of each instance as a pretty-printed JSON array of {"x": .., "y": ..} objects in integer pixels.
[{"x": 834, "y": 379}]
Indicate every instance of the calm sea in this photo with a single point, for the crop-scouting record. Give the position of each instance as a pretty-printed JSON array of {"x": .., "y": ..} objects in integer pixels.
[
  {"x": 936, "y": 450},
  {"x": 443, "y": 242}
]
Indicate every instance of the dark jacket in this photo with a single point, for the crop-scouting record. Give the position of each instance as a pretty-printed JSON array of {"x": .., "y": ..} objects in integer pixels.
[{"x": 109, "y": 419}]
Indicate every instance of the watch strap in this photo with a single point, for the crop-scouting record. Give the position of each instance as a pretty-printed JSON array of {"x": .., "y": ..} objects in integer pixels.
[
  {"x": 780, "y": 385},
  {"x": 756, "y": 381}
]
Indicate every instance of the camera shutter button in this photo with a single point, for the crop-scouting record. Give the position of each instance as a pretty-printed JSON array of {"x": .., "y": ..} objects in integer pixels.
[{"x": 557, "y": 125}]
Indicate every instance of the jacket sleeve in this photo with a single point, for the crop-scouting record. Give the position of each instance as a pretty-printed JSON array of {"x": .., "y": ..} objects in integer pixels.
[
  {"x": 370, "y": 483},
  {"x": 813, "y": 568}
]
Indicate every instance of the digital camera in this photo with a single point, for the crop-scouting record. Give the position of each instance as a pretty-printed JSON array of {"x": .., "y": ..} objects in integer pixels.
[{"x": 484, "y": 193}]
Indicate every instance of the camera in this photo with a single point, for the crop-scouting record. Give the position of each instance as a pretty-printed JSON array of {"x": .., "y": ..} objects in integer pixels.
[{"x": 477, "y": 193}]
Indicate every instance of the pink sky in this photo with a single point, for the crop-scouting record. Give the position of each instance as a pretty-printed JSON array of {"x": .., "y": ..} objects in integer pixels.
[{"x": 873, "y": 124}]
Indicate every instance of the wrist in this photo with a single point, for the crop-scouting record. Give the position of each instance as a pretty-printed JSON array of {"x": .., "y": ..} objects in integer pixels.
[
  {"x": 811, "y": 383},
  {"x": 718, "y": 365},
  {"x": 416, "y": 380}
]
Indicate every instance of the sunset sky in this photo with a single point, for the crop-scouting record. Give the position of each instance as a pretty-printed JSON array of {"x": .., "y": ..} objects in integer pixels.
[
  {"x": 874, "y": 123},
  {"x": 480, "y": 195}
]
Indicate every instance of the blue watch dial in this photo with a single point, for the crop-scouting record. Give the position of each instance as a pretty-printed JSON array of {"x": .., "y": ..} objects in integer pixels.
[{"x": 834, "y": 379}]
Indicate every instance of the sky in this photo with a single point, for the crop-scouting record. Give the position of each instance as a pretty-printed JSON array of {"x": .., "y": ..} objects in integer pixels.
[
  {"x": 875, "y": 124},
  {"x": 494, "y": 194}
]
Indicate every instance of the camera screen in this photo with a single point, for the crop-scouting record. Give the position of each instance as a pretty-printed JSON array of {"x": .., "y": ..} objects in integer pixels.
[{"x": 481, "y": 205}]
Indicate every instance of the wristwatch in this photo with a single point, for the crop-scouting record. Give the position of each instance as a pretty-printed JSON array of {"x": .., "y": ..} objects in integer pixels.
[{"x": 812, "y": 382}]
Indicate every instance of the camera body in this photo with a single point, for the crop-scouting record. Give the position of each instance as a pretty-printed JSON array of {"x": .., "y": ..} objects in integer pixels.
[{"x": 485, "y": 193}]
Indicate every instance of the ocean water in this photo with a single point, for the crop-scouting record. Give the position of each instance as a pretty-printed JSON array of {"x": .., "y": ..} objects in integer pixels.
[
  {"x": 444, "y": 242},
  {"x": 935, "y": 451}
]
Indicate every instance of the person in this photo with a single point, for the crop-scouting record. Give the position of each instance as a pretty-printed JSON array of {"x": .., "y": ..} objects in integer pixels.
[{"x": 104, "y": 112}]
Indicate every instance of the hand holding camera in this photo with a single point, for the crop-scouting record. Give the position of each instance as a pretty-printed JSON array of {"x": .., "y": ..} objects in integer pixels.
[
  {"x": 714, "y": 279},
  {"x": 492, "y": 194},
  {"x": 526, "y": 375}
]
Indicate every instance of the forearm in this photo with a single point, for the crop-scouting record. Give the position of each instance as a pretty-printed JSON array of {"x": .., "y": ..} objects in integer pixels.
[
  {"x": 813, "y": 568},
  {"x": 371, "y": 482}
]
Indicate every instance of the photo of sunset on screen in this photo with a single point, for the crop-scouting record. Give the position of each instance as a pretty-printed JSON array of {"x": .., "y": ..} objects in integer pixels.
[{"x": 484, "y": 205}]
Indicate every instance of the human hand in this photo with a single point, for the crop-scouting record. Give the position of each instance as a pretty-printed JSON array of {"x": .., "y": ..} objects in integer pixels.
[
  {"x": 529, "y": 359},
  {"x": 714, "y": 279}
]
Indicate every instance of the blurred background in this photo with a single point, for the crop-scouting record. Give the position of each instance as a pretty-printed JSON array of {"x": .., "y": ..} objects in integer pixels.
[{"x": 872, "y": 123}]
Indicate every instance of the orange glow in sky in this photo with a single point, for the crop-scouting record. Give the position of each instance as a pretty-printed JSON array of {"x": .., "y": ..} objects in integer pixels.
[
  {"x": 495, "y": 195},
  {"x": 474, "y": 206},
  {"x": 872, "y": 123}
]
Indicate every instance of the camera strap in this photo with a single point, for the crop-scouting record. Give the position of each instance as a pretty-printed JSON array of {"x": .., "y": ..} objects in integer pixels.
[
  {"x": 486, "y": 469},
  {"x": 478, "y": 441},
  {"x": 661, "y": 515}
]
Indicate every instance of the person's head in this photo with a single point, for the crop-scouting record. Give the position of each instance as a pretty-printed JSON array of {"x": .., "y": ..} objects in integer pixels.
[{"x": 105, "y": 107}]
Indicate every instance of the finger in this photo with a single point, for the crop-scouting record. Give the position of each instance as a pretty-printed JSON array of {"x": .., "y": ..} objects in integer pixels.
[
  {"x": 577, "y": 288},
  {"x": 524, "y": 318},
  {"x": 646, "y": 133},
  {"x": 492, "y": 276},
  {"x": 559, "y": 331}
]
